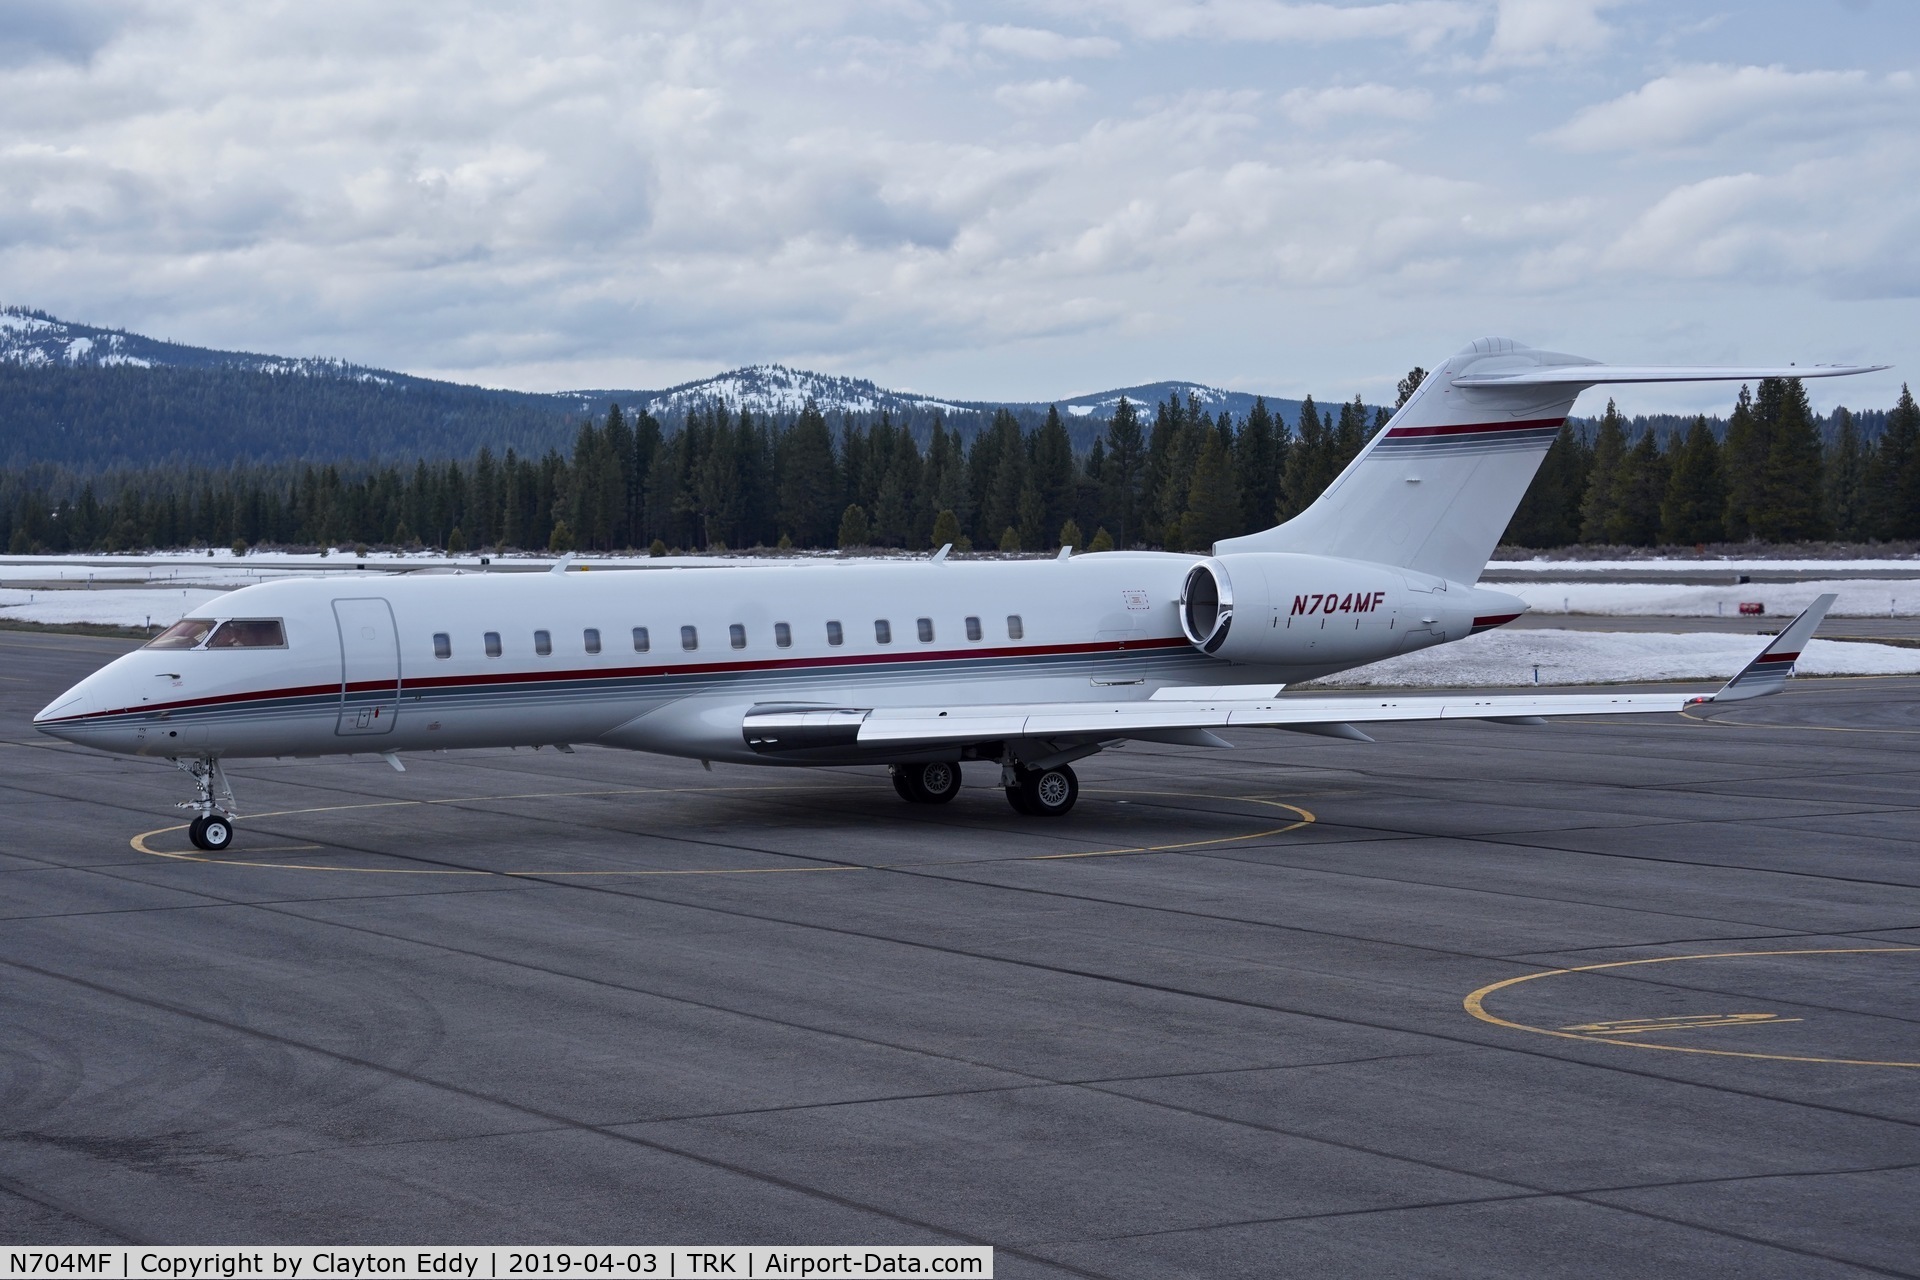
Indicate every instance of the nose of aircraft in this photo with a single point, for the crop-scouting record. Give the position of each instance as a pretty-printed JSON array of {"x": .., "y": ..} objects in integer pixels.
[{"x": 65, "y": 710}]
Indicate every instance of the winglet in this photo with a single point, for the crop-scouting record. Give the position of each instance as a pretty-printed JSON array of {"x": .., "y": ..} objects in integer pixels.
[
  {"x": 560, "y": 565},
  {"x": 1768, "y": 673}
]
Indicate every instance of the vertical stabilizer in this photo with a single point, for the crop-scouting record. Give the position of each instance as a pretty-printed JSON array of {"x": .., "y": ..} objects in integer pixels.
[{"x": 1434, "y": 490}]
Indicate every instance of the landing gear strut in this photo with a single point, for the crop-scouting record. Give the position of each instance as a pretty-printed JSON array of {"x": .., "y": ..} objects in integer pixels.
[
  {"x": 934, "y": 783},
  {"x": 212, "y": 826},
  {"x": 1042, "y": 793}
]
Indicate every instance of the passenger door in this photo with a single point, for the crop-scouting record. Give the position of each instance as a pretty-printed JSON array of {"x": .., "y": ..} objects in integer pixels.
[{"x": 369, "y": 667}]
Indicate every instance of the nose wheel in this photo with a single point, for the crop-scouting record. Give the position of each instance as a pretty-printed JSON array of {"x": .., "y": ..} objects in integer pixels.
[
  {"x": 213, "y": 832},
  {"x": 212, "y": 826}
]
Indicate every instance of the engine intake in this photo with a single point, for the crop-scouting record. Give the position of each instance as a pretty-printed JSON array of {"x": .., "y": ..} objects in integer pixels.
[{"x": 1206, "y": 606}]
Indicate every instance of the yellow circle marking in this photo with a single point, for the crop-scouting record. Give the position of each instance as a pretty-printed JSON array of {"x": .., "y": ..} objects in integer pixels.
[
  {"x": 140, "y": 844},
  {"x": 1475, "y": 1005}
]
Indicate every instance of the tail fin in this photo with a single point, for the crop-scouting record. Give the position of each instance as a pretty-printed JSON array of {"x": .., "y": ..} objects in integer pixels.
[{"x": 1434, "y": 490}]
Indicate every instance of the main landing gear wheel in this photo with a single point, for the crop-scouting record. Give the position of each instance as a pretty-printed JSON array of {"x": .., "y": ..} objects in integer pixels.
[
  {"x": 1044, "y": 793},
  {"x": 212, "y": 832},
  {"x": 934, "y": 783}
]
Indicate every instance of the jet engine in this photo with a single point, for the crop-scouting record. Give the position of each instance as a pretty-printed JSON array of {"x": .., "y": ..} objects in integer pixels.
[{"x": 1282, "y": 609}]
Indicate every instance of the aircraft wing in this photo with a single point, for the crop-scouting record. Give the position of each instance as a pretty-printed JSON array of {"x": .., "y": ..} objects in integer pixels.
[{"x": 1177, "y": 715}]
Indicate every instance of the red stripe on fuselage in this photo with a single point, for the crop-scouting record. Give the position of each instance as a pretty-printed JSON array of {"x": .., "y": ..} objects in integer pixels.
[
  {"x": 1474, "y": 428},
  {"x": 821, "y": 662}
]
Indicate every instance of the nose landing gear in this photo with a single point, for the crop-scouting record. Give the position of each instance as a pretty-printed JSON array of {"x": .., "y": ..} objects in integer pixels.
[{"x": 212, "y": 827}]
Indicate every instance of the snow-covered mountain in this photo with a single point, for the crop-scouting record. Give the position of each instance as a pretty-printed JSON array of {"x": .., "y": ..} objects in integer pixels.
[
  {"x": 776, "y": 389},
  {"x": 34, "y": 338}
]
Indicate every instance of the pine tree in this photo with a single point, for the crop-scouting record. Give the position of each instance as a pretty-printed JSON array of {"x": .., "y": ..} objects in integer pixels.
[
  {"x": 1788, "y": 501},
  {"x": 1070, "y": 535},
  {"x": 1053, "y": 470},
  {"x": 1102, "y": 540},
  {"x": 1407, "y": 386},
  {"x": 1309, "y": 461},
  {"x": 1125, "y": 472},
  {"x": 1213, "y": 498},
  {"x": 1609, "y": 457},
  {"x": 853, "y": 528},
  {"x": 1847, "y": 464},
  {"x": 1350, "y": 436},
  {"x": 1638, "y": 488},
  {"x": 946, "y": 528},
  {"x": 1742, "y": 458},
  {"x": 1893, "y": 481},
  {"x": 809, "y": 482},
  {"x": 1696, "y": 498},
  {"x": 1257, "y": 461}
]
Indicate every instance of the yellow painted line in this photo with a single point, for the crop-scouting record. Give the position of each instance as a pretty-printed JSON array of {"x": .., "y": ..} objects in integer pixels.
[
  {"x": 1809, "y": 728},
  {"x": 1698, "y": 1022},
  {"x": 141, "y": 845},
  {"x": 1475, "y": 1005}
]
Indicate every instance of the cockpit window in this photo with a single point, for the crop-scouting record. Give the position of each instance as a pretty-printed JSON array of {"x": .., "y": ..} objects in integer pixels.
[
  {"x": 249, "y": 633},
  {"x": 184, "y": 634}
]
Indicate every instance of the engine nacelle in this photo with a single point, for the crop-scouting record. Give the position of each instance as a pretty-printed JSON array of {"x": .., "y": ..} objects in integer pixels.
[{"x": 1282, "y": 609}]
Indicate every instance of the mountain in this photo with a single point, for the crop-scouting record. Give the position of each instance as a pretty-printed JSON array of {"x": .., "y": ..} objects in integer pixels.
[{"x": 92, "y": 399}]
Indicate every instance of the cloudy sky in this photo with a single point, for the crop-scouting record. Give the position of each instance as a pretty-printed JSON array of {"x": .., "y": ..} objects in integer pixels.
[{"x": 1014, "y": 200}]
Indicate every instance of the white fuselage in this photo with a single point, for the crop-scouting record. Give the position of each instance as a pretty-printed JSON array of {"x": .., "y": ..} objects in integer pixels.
[{"x": 395, "y": 664}]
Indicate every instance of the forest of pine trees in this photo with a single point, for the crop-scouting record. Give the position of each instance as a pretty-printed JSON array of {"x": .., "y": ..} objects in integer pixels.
[{"x": 1179, "y": 480}]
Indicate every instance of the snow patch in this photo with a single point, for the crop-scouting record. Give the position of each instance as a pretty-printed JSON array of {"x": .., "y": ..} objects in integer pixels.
[{"x": 1495, "y": 659}]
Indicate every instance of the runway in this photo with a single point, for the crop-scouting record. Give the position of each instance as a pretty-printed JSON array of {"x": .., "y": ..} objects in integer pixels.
[{"x": 1308, "y": 1007}]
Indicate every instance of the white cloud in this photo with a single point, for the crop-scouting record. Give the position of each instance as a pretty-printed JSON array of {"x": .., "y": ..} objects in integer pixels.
[
  {"x": 1421, "y": 23},
  {"x": 1534, "y": 31},
  {"x": 1040, "y": 95},
  {"x": 1045, "y": 46},
  {"x": 1317, "y": 106},
  {"x": 1695, "y": 105}
]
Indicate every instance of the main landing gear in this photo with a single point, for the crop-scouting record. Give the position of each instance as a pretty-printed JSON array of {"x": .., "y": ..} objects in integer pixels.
[
  {"x": 1041, "y": 793},
  {"x": 212, "y": 826},
  {"x": 934, "y": 783}
]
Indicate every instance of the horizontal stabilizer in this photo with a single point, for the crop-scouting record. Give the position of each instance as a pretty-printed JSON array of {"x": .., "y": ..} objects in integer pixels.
[{"x": 1594, "y": 375}]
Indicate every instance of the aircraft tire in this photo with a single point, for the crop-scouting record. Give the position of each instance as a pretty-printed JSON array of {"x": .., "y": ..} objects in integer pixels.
[
  {"x": 1045, "y": 793},
  {"x": 197, "y": 832},
  {"x": 902, "y": 786},
  {"x": 936, "y": 783},
  {"x": 218, "y": 832}
]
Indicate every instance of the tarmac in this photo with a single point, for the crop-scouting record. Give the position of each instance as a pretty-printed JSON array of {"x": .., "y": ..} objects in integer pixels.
[{"x": 1602, "y": 998}]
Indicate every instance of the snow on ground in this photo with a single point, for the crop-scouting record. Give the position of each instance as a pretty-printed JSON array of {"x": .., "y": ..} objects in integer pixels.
[
  {"x": 111, "y": 606},
  {"x": 1859, "y": 597},
  {"x": 1497, "y": 658},
  {"x": 1657, "y": 565}
]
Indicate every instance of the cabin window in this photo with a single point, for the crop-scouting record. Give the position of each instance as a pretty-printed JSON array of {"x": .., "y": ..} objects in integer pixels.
[
  {"x": 184, "y": 634},
  {"x": 1015, "y": 630},
  {"x": 925, "y": 626},
  {"x": 689, "y": 638},
  {"x": 882, "y": 631},
  {"x": 783, "y": 635},
  {"x": 249, "y": 633},
  {"x": 543, "y": 643},
  {"x": 973, "y": 629},
  {"x": 640, "y": 642},
  {"x": 592, "y": 638},
  {"x": 834, "y": 634},
  {"x": 442, "y": 645},
  {"x": 737, "y": 636},
  {"x": 492, "y": 639}
]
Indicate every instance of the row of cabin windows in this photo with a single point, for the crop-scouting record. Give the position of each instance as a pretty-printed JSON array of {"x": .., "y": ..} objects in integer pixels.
[{"x": 736, "y": 636}]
